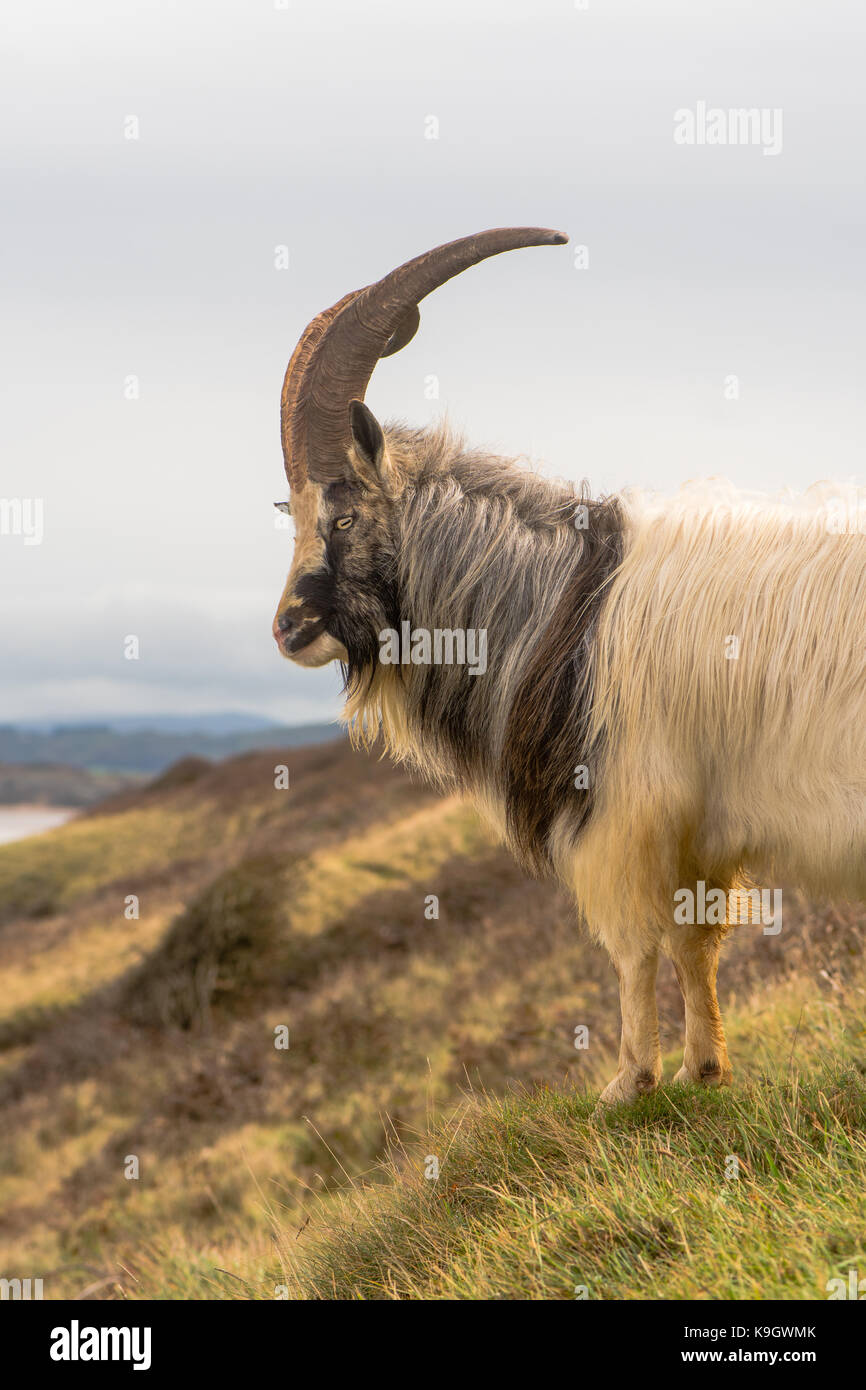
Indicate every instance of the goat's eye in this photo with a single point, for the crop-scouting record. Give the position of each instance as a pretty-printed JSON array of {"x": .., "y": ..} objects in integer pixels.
[
  {"x": 284, "y": 507},
  {"x": 343, "y": 522}
]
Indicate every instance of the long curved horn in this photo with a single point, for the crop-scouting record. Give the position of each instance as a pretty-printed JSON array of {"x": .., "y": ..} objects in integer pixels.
[{"x": 338, "y": 351}]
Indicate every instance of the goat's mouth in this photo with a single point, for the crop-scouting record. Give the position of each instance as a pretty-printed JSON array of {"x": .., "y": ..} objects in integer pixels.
[
  {"x": 313, "y": 645},
  {"x": 292, "y": 644}
]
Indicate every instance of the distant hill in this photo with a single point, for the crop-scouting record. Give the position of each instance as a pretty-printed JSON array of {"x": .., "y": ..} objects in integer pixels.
[
  {"x": 58, "y": 784},
  {"x": 149, "y": 747},
  {"x": 225, "y": 722}
]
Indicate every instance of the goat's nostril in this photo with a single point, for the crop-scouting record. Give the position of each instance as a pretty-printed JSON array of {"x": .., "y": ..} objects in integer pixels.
[{"x": 284, "y": 623}]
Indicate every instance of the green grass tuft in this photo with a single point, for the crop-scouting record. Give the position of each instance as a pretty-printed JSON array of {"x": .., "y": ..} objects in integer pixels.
[{"x": 538, "y": 1197}]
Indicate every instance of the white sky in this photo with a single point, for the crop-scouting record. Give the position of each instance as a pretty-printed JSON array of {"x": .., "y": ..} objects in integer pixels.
[{"x": 305, "y": 126}]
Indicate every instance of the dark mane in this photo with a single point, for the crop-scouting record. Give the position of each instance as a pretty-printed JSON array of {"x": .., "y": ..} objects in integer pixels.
[
  {"x": 548, "y": 726},
  {"x": 486, "y": 544}
]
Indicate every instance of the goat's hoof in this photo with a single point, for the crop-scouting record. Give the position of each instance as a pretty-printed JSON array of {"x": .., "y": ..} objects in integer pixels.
[
  {"x": 628, "y": 1085},
  {"x": 709, "y": 1073}
]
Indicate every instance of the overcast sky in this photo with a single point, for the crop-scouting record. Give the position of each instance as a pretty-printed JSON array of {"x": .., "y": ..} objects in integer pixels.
[{"x": 306, "y": 125}]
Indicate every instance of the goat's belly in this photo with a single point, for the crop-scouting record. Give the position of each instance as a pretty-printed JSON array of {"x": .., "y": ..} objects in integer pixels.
[{"x": 809, "y": 833}]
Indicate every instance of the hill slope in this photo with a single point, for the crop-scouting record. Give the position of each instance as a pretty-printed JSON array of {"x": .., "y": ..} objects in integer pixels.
[{"x": 157, "y": 1143}]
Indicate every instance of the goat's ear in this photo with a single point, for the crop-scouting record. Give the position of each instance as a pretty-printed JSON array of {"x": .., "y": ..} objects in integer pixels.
[
  {"x": 367, "y": 435},
  {"x": 372, "y": 461}
]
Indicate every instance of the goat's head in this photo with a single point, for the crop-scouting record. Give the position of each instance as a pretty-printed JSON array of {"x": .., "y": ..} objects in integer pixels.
[{"x": 345, "y": 481}]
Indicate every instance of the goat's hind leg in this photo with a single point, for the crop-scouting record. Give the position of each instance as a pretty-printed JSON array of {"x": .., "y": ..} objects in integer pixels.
[{"x": 694, "y": 951}]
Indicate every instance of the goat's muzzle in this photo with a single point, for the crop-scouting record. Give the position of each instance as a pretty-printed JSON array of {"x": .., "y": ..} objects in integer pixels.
[{"x": 294, "y": 631}]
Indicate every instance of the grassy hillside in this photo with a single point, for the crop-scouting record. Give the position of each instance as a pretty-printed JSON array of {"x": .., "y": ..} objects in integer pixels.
[
  {"x": 537, "y": 1197},
  {"x": 148, "y": 1044}
]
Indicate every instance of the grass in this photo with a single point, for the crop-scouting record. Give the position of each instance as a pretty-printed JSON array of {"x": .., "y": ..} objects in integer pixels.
[
  {"x": 264, "y": 1171},
  {"x": 751, "y": 1193}
]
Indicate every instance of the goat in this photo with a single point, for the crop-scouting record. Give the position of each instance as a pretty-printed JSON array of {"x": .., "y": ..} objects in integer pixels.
[{"x": 615, "y": 739}]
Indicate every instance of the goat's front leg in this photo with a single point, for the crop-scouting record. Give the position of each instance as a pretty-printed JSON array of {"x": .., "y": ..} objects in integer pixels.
[
  {"x": 694, "y": 951},
  {"x": 640, "y": 1060}
]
